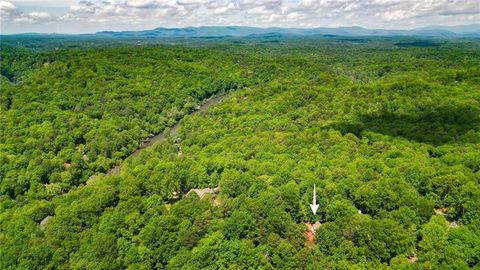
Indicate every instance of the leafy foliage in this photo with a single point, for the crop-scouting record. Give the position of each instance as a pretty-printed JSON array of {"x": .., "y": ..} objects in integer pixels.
[{"x": 389, "y": 134}]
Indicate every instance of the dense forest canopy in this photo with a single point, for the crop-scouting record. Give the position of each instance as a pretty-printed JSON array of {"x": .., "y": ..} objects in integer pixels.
[{"x": 388, "y": 129}]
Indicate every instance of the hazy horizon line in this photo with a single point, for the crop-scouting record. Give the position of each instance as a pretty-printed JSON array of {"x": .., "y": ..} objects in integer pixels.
[{"x": 243, "y": 26}]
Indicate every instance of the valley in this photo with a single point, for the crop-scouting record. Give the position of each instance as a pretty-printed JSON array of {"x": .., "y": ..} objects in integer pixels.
[{"x": 205, "y": 154}]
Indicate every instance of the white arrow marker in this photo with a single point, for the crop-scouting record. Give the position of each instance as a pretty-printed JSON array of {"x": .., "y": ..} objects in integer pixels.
[{"x": 314, "y": 206}]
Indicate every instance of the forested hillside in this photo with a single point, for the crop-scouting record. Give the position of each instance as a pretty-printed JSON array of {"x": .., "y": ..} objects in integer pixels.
[
  {"x": 88, "y": 109},
  {"x": 387, "y": 129}
]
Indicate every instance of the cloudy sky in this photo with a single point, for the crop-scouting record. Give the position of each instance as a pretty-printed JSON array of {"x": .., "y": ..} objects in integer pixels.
[{"x": 84, "y": 16}]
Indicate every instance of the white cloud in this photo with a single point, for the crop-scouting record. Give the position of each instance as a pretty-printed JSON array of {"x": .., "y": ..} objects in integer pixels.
[
  {"x": 224, "y": 9},
  {"x": 393, "y": 15},
  {"x": 142, "y": 3},
  {"x": 388, "y": 13},
  {"x": 10, "y": 12},
  {"x": 143, "y": 14},
  {"x": 7, "y": 9},
  {"x": 33, "y": 17}
]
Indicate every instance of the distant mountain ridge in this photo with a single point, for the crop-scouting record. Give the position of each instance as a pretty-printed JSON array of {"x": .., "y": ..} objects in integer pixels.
[
  {"x": 472, "y": 30},
  {"x": 459, "y": 31}
]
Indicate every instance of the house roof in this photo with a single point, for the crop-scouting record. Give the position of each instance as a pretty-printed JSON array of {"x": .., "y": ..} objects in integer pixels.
[
  {"x": 44, "y": 222},
  {"x": 202, "y": 192},
  {"x": 313, "y": 227}
]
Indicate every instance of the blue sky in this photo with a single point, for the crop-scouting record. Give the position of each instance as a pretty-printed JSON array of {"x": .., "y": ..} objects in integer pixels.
[{"x": 86, "y": 16}]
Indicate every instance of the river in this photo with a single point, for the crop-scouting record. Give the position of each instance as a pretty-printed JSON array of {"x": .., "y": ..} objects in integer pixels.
[{"x": 173, "y": 132}]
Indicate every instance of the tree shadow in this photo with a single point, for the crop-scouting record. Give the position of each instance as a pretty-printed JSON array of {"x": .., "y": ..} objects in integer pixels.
[{"x": 437, "y": 126}]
